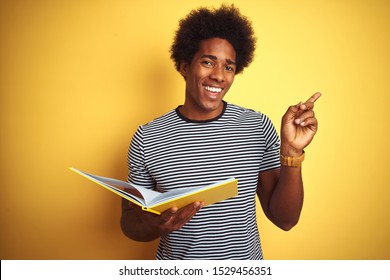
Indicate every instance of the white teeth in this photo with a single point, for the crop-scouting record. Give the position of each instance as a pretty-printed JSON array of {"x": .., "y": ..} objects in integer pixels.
[{"x": 213, "y": 89}]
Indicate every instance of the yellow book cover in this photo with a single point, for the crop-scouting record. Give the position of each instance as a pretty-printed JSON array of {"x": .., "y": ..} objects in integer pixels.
[{"x": 156, "y": 202}]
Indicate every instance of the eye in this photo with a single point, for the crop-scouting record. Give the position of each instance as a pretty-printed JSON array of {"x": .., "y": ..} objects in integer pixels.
[
  {"x": 229, "y": 68},
  {"x": 207, "y": 63}
]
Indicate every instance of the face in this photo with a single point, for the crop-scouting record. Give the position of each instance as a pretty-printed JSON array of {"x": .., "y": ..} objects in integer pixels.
[{"x": 208, "y": 78}]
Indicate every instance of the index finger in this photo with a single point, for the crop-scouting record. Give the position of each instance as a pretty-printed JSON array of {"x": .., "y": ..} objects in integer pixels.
[
  {"x": 314, "y": 97},
  {"x": 309, "y": 104}
]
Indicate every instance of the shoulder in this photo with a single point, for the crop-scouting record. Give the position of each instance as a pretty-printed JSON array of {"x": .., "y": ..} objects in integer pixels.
[
  {"x": 161, "y": 122},
  {"x": 165, "y": 125},
  {"x": 168, "y": 117},
  {"x": 246, "y": 114}
]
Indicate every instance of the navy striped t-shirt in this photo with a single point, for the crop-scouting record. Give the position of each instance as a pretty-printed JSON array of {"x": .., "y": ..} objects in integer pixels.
[{"x": 174, "y": 152}]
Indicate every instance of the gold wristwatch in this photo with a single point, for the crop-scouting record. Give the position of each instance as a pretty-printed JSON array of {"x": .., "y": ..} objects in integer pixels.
[{"x": 292, "y": 161}]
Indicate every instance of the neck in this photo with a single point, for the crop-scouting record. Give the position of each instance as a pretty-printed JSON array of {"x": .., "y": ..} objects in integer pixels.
[{"x": 201, "y": 115}]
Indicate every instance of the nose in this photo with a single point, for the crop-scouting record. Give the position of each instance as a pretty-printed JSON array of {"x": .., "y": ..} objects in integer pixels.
[{"x": 218, "y": 74}]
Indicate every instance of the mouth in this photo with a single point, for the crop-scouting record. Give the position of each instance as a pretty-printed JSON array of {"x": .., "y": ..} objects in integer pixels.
[{"x": 213, "y": 90}]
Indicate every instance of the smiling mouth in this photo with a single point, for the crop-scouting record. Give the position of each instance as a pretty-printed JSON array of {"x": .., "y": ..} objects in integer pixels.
[{"x": 213, "y": 89}]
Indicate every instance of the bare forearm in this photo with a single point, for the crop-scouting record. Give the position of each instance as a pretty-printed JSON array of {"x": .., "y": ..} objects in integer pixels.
[
  {"x": 287, "y": 198},
  {"x": 135, "y": 228}
]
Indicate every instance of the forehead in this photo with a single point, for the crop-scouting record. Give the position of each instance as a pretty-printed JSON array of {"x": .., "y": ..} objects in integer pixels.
[{"x": 217, "y": 47}]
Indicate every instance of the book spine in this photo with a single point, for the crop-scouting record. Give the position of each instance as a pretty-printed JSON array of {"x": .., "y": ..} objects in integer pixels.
[{"x": 151, "y": 210}]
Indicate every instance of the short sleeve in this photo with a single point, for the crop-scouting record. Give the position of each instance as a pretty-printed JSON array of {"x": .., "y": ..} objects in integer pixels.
[
  {"x": 137, "y": 171},
  {"x": 271, "y": 158}
]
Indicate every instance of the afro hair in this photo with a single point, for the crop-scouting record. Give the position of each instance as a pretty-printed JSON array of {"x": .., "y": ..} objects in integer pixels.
[{"x": 226, "y": 23}]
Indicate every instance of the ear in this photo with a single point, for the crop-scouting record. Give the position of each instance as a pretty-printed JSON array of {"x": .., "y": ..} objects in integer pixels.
[{"x": 183, "y": 68}]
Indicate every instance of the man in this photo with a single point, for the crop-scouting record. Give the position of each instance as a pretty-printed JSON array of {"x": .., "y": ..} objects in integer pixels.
[{"x": 207, "y": 139}]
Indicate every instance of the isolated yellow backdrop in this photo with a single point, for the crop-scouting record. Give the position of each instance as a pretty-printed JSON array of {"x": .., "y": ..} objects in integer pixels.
[{"x": 78, "y": 77}]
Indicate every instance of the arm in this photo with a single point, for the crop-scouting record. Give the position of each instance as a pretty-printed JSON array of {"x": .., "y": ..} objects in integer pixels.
[
  {"x": 280, "y": 191},
  {"x": 140, "y": 225}
]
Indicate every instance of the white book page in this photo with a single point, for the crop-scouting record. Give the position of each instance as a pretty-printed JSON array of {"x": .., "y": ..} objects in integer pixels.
[
  {"x": 144, "y": 195},
  {"x": 173, "y": 194},
  {"x": 147, "y": 195},
  {"x": 125, "y": 194},
  {"x": 181, "y": 192}
]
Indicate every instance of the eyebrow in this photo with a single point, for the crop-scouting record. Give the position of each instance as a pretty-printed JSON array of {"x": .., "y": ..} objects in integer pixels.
[{"x": 213, "y": 57}]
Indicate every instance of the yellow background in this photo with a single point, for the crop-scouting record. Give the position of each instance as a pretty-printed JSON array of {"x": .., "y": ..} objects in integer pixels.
[{"x": 77, "y": 77}]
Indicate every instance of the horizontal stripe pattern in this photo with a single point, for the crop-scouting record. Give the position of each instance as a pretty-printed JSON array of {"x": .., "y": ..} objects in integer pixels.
[{"x": 171, "y": 152}]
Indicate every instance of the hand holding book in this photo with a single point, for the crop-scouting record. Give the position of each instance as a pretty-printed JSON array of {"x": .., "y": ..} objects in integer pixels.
[{"x": 142, "y": 225}]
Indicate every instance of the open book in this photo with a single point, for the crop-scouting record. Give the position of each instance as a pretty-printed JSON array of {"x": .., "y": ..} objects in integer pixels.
[{"x": 157, "y": 202}]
